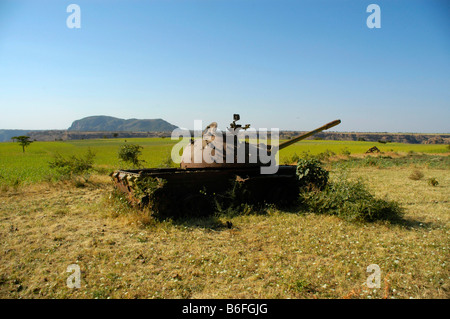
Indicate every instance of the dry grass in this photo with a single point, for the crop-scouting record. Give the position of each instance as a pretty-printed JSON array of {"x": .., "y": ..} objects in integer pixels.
[{"x": 124, "y": 254}]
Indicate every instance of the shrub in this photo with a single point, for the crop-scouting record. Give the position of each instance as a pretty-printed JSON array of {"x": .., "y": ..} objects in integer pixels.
[
  {"x": 345, "y": 151},
  {"x": 295, "y": 158},
  {"x": 371, "y": 161},
  {"x": 147, "y": 186},
  {"x": 234, "y": 201},
  {"x": 129, "y": 153},
  {"x": 307, "y": 155},
  {"x": 310, "y": 174},
  {"x": 351, "y": 201},
  {"x": 290, "y": 159},
  {"x": 254, "y": 195},
  {"x": 74, "y": 166},
  {"x": 416, "y": 175},
  {"x": 433, "y": 182},
  {"x": 325, "y": 155}
]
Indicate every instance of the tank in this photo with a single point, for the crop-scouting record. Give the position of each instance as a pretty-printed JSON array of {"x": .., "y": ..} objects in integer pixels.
[{"x": 216, "y": 169}]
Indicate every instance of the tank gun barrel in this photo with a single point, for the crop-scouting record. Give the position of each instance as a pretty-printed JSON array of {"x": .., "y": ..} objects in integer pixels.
[{"x": 303, "y": 136}]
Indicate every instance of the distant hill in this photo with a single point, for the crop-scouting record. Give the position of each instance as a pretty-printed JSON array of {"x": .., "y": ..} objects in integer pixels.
[
  {"x": 103, "y": 123},
  {"x": 5, "y": 135},
  {"x": 410, "y": 138}
]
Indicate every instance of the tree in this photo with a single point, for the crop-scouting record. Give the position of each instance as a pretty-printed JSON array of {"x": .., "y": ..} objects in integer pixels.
[
  {"x": 23, "y": 140},
  {"x": 129, "y": 153}
]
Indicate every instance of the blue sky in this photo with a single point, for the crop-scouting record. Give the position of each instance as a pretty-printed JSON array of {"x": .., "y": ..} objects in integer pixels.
[{"x": 292, "y": 65}]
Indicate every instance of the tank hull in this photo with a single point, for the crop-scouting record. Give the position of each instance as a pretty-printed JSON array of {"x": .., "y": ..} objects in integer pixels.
[{"x": 194, "y": 191}]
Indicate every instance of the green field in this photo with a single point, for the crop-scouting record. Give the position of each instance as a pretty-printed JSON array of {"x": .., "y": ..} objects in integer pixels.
[
  {"x": 32, "y": 166},
  {"x": 339, "y": 147}
]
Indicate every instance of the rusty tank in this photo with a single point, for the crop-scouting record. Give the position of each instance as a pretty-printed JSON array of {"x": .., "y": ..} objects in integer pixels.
[{"x": 216, "y": 168}]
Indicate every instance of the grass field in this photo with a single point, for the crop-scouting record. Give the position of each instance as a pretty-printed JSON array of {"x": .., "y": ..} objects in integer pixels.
[
  {"x": 32, "y": 166},
  {"x": 46, "y": 225},
  {"x": 339, "y": 147}
]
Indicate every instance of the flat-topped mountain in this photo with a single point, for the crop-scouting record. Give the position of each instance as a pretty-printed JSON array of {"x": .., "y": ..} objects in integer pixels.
[{"x": 103, "y": 123}]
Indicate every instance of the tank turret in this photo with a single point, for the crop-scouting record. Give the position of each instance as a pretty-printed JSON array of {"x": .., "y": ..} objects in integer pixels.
[{"x": 233, "y": 148}]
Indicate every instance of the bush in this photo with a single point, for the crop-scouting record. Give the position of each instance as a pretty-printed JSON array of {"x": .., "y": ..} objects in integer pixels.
[
  {"x": 433, "y": 182},
  {"x": 416, "y": 175},
  {"x": 345, "y": 151},
  {"x": 306, "y": 155},
  {"x": 147, "y": 186},
  {"x": 244, "y": 199},
  {"x": 234, "y": 201},
  {"x": 371, "y": 161},
  {"x": 311, "y": 175},
  {"x": 129, "y": 153},
  {"x": 294, "y": 158},
  {"x": 325, "y": 155},
  {"x": 73, "y": 166},
  {"x": 351, "y": 201},
  {"x": 290, "y": 159}
]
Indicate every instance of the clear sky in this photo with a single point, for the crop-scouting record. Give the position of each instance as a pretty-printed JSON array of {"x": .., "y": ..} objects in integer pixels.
[{"x": 292, "y": 65}]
